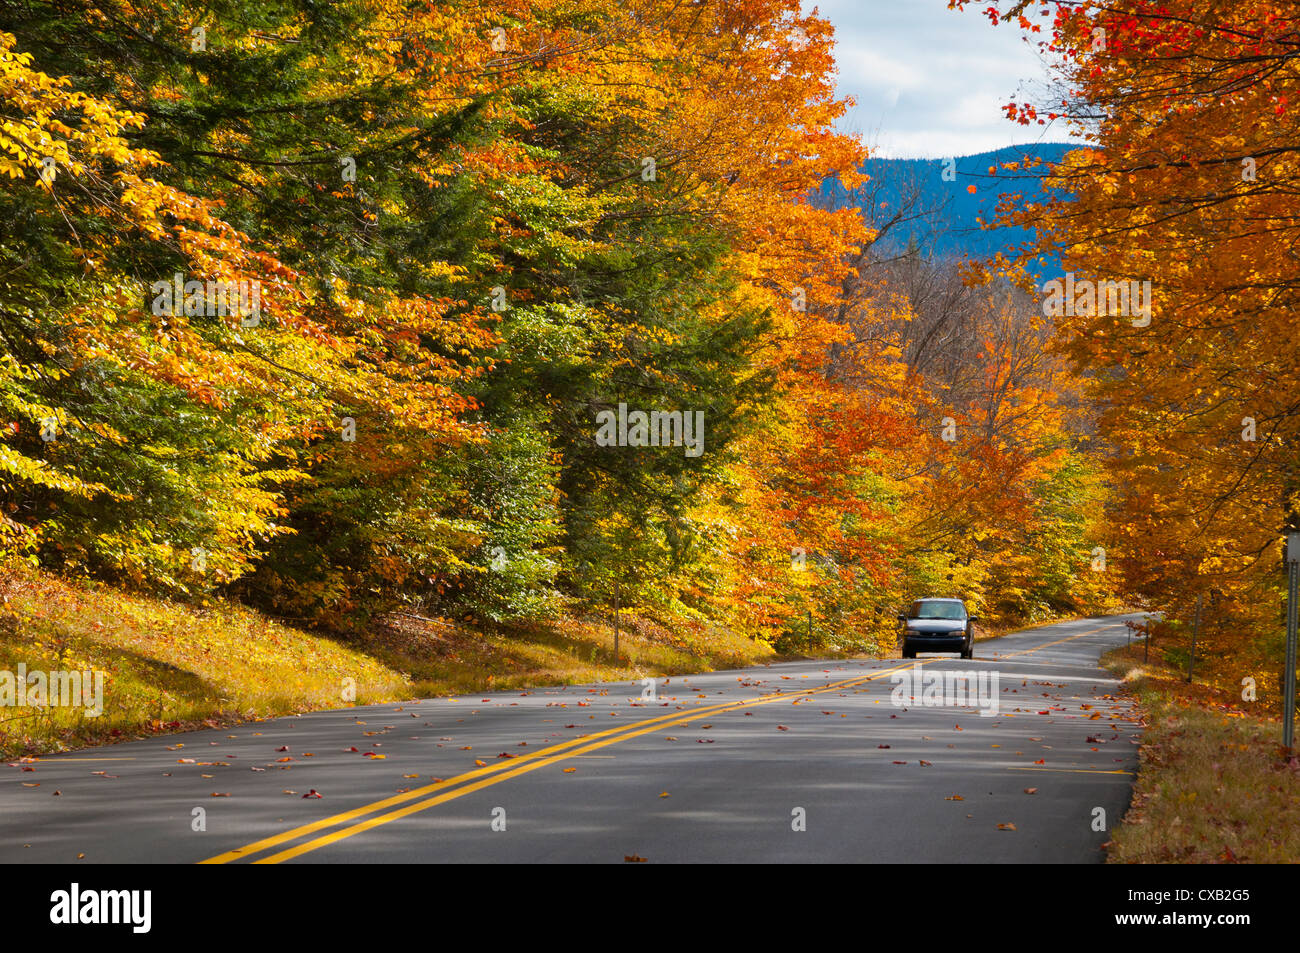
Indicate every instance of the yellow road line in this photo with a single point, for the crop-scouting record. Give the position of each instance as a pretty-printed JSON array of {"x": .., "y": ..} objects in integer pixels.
[
  {"x": 550, "y": 754},
  {"x": 1047, "y": 645},
  {"x": 683, "y": 719},
  {"x": 417, "y": 792},
  {"x": 57, "y": 760},
  {"x": 487, "y": 776},
  {"x": 1027, "y": 767}
]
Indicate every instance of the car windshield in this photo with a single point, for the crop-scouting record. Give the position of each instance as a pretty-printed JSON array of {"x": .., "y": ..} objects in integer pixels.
[{"x": 936, "y": 609}]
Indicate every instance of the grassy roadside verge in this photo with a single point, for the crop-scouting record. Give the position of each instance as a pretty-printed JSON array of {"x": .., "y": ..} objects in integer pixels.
[
  {"x": 171, "y": 666},
  {"x": 1213, "y": 786}
]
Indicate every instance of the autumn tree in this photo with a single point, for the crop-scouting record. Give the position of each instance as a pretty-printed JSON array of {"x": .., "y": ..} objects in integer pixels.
[{"x": 1183, "y": 190}]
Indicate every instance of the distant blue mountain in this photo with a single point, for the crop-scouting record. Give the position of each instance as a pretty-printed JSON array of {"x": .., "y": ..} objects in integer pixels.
[{"x": 946, "y": 221}]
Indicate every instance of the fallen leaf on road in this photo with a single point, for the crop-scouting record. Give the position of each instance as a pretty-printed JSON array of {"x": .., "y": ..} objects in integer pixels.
[
  {"x": 665, "y": 794},
  {"x": 226, "y": 794},
  {"x": 954, "y": 797},
  {"x": 1031, "y": 790},
  {"x": 481, "y": 764},
  {"x": 312, "y": 793},
  {"x": 782, "y": 727},
  {"x": 633, "y": 858},
  {"x": 1006, "y": 827},
  {"x": 569, "y": 770}
]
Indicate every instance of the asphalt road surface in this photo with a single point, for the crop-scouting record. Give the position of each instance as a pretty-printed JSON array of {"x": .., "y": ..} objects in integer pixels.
[{"x": 795, "y": 762}]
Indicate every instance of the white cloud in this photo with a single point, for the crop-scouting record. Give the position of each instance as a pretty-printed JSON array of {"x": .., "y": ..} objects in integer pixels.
[{"x": 930, "y": 81}]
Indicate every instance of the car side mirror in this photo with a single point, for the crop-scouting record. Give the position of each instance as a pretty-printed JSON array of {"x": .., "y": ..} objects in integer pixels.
[
  {"x": 973, "y": 619},
  {"x": 902, "y": 617}
]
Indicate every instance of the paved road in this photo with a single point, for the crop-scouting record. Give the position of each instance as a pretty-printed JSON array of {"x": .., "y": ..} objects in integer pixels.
[{"x": 721, "y": 767}]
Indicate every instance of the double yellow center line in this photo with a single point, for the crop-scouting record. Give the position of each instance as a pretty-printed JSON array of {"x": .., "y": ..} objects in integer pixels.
[
  {"x": 431, "y": 795},
  {"x": 442, "y": 791}
]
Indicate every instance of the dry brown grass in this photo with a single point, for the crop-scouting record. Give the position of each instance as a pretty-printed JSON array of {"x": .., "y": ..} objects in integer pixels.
[
  {"x": 1214, "y": 784},
  {"x": 173, "y": 666}
]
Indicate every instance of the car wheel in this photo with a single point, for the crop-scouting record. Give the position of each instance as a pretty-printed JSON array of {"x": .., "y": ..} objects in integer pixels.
[
  {"x": 969, "y": 650},
  {"x": 908, "y": 653}
]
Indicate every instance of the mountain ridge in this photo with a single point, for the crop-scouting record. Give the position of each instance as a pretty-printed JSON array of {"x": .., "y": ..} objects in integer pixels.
[{"x": 928, "y": 203}]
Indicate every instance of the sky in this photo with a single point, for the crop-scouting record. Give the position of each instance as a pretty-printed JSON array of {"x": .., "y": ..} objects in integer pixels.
[{"x": 931, "y": 82}]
